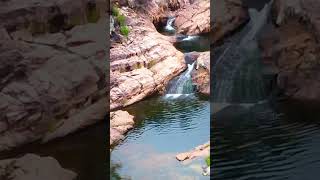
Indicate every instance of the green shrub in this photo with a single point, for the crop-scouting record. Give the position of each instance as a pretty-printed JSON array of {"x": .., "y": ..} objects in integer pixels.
[
  {"x": 208, "y": 161},
  {"x": 124, "y": 30},
  {"x": 115, "y": 11},
  {"x": 121, "y": 19}
]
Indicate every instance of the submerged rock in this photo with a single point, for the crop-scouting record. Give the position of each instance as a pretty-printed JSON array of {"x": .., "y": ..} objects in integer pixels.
[
  {"x": 201, "y": 74},
  {"x": 120, "y": 123},
  {"x": 200, "y": 151},
  {"x": 34, "y": 167}
]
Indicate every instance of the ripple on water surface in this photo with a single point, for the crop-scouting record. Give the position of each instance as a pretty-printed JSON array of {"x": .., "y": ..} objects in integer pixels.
[
  {"x": 265, "y": 144},
  {"x": 163, "y": 129}
]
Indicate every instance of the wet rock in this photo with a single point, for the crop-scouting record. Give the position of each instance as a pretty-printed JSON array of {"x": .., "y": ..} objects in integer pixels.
[
  {"x": 120, "y": 123},
  {"x": 201, "y": 74},
  {"x": 142, "y": 65},
  {"x": 194, "y": 18},
  {"x": 293, "y": 46},
  {"x": 200, "y": 151},
  {"x": 227, "y": 17},
  {"x": 34, "y": 167}
]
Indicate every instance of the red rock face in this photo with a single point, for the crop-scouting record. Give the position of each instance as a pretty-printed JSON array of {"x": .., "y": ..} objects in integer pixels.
[
  {"x": 194, "y": 18},
  {"x": 142, "y": 65}
]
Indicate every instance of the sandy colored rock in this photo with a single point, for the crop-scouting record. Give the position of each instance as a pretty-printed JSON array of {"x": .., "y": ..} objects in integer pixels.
[
  {"x": 143, "y": 64},
  {"x": 194, "y": 18},
  {"x": 51, "y": 84},
  {"x": 120, "y": 123},
  {"x": 34, "y": 167},
  {"x": 200, "y": 151}
]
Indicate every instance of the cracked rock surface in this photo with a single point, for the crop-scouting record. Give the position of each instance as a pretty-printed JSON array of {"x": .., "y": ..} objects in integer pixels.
[
  {"x": 51, "y": 84},
  {"x": 143, "y": 64},
  {"x": 194, "y": 18}
]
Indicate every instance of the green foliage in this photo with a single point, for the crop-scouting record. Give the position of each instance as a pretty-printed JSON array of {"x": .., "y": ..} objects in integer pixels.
[
  {"x": 124, "y": 30},
  {"x": 115, "y": 11},
  {"x": 121, "y": 19},
  {"x": 208, "y": 161}
]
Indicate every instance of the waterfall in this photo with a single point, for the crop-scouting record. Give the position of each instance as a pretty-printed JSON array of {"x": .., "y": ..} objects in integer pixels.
[
  {"x": 237, "y": 72},
  {"x": 169, "y": 26},
  {"x": 182, "y": 86}
]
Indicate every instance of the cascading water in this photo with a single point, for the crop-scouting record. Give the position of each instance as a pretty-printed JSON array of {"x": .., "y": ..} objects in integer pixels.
[
  {"x": 182, "y": 85},
  {"x": 237, "y": 71},
  {"x": 169, "y": 29}
]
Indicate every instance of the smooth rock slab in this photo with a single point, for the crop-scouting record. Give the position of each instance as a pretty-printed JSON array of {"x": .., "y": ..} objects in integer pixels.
[{"x": 200, "y": 151}]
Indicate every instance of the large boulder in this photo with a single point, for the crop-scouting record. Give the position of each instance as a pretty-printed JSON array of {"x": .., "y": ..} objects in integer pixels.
[
  {"x": 34, "y": 167},
  {"x": 120, "y": 123},
  {"x": 143, "y": 64}
]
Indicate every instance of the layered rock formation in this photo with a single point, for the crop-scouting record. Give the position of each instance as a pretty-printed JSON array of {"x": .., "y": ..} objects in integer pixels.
[
  {"x": 227, "y": 16},
  {"x": 51, "y": 83},
  {"x": 194, "y": 18},
  {"x": 120, "y": 123},
  {"x": 34, "y": 167},
  {"x": 201, "y": 74},
  {"x": 143, "y": 64},
  {"x": 293, "y": 47},
  {"x": 41, "y": 16}
]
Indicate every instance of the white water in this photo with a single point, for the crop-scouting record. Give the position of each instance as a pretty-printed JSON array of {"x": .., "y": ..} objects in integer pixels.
[
  {"x": 237, "y": 70},
  {"x": 169, "y": 26},
  {"x": 190, "y": 38},
  {"x": 182, "y": 87}
]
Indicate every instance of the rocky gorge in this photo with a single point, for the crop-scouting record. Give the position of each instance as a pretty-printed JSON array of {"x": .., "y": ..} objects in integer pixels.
[{"x": 146, "y": 62}]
